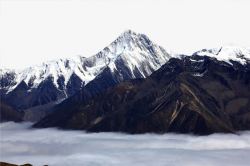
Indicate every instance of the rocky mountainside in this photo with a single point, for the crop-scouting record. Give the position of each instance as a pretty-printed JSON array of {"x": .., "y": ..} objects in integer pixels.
[
  {"x": 193, "y": 94},
  {"x": 130, "y": 56}
]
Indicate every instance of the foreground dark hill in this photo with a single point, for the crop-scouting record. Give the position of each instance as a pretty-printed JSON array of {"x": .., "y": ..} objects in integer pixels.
[
  {"x": 8, "y": 164},
  {"x": 195, "y": 94}
]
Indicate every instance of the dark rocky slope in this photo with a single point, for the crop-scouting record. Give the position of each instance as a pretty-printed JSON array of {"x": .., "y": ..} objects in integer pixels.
[
  {"x": 195, "y": 94},
  {"x": 7, "y": 113}
]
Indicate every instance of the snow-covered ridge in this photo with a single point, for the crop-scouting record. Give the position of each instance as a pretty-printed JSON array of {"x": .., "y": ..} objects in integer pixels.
[
  {"x": 228, "y": 53},
  {"x": 135, "y": 50}
]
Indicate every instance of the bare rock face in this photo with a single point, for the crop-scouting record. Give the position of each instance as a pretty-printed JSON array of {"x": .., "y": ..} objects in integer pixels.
[{"x": 196, "y": 94}]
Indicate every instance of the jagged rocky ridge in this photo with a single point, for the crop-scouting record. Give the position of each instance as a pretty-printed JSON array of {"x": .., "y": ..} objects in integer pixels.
[
  {"x": 130, "y": 56},
  {"x": 193, "y": 94}
]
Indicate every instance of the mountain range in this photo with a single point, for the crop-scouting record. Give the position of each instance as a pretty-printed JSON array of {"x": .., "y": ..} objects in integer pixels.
[{"x": 136, "y": 86}]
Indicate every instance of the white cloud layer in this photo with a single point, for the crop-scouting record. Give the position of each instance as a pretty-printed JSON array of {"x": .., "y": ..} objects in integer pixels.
[
  {"x": 19, "y": 144},
  {"x": 33, "y": 31}
]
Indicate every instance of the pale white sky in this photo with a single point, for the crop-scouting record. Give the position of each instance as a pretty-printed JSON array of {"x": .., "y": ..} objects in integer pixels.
[{"x": 33, "y": 31}]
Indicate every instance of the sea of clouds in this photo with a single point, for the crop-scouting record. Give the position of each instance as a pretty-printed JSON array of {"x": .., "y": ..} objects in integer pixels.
[{"x": 20, "y": 144}]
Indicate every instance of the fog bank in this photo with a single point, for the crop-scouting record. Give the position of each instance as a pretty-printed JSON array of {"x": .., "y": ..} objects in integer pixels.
[{"x": 19, "y": 144}]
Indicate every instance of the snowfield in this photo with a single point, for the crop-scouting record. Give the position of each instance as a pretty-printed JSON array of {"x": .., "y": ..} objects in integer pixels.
[{"x": 20, "y": 144}]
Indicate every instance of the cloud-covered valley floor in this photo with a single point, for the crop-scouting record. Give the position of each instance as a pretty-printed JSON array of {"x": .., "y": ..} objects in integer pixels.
[{"x": 20, "y": 144}]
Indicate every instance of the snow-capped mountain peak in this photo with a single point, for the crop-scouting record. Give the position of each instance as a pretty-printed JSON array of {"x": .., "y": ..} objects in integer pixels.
[
  {"x": 228, "y": 53},
  {"x": 137, "y": 51},
  {"x": 133, "y": 51}
]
